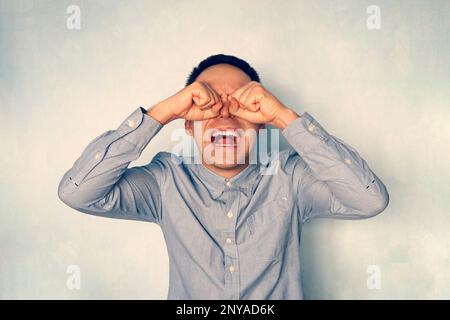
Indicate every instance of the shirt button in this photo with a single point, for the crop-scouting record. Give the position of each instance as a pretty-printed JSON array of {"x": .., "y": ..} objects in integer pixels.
[
  {"x": 230, "y": 214},
  {"x": 229, "y": 184},
  {"x": 228, "y": 240},
  {"x": 311, "y": 127},
  {"x": 97, "y": 156},
  {"x": 232, "y": 269},
  {"x": 131, "y": 123},
  {"x": 348, "y": 161}
]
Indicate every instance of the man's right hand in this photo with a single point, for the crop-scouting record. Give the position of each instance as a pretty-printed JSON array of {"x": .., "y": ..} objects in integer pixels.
[{"x": 198, "y": 101}]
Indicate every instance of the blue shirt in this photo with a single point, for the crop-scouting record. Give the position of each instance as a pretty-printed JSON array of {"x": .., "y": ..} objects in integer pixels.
[{"x": 233, "y": 238}]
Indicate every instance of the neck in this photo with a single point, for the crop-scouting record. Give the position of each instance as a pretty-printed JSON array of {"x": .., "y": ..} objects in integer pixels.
[{"x": 226, "y": 172}]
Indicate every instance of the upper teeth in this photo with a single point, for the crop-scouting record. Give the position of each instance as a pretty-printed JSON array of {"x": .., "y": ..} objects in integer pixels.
[{"x": 224, "y": 133}]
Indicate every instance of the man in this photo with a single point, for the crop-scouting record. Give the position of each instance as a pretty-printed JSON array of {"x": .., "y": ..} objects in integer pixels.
[{"x": 232, "y": 226}]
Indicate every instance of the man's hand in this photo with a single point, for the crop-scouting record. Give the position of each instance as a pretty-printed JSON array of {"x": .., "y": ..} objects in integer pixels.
[
  {"x": 252, "y": 102},
  {"x": 198, "y": 101}
]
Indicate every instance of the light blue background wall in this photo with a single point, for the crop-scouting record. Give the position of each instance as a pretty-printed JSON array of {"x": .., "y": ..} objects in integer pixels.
[{"x": 385, "y": 92}]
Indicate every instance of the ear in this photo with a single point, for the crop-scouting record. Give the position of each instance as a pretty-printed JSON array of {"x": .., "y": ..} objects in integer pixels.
[{"x": 189, "y": 127}]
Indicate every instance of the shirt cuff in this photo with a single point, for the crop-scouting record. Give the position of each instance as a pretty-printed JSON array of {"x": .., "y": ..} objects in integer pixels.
[
  {"x": 139, "y": 128},
  {"x": 304, "y": 133}
]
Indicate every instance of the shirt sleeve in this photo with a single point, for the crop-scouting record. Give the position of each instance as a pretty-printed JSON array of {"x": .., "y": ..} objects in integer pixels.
[
  {"x": 100, "y": 182},
  {"x": 331, "y": 178}
]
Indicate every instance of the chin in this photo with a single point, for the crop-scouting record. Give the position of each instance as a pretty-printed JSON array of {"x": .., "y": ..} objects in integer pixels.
[
  {"x": 219, "y": 161},
  {"x": 226, "y": 165}
]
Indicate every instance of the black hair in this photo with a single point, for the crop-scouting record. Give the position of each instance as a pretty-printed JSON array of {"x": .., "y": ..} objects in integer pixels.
[{"x": 222, "y": 58}]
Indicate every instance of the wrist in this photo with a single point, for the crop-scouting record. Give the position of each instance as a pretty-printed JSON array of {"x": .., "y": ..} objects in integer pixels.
[
  {"x": 284, "y": 118},
  {"x": 161, "y": 113}
]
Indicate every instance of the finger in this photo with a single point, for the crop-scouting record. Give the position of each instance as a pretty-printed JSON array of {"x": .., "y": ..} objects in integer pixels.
[
  {"x": 214, "y": 111},
  {"x": 213, "y": 96},
  {"x": 245, "y": 96},
  {"x": 201, "y": 98},
  {"x": 217, "y": 107},
  {"x": 235, "y": 102},
  {"x": 233, "y": 105},
  {"x": 243, "y": 88},
  {"x": 208, "y": 105},
  {"x": 211, "y": 101},
  {"x": 215, "y": 104},
  {"x": 214, "y": 93},
  {"x": 255, "y": 104},
  {"x": 251, "y": 99},
  {"x": 246, "y": 102},
  {"x": 202, "y": 95},
  {"x": 238, "y": 93},
  {"x": 245, "y": 114},
  {"x": 224, "y": 98},
  {"x": 254, "y": 117}
]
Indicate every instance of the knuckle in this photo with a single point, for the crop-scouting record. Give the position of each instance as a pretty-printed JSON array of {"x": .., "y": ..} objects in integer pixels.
[
  {"x": 258, "y": 88},
  {"x": 198, "y": 85}
]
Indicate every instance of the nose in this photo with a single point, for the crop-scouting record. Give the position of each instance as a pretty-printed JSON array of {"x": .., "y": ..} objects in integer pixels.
[{"x": 225, "y": 111}]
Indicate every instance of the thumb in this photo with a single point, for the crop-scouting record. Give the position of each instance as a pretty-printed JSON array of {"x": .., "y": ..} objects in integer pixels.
[
  {"x": 200, "y": 98},
  {"x": 242, "y": 113},
  {"x": 233, "y": 107}
]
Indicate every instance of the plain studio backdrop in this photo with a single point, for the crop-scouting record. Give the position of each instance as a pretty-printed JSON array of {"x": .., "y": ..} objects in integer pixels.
[{"x": 385, "y": 91}]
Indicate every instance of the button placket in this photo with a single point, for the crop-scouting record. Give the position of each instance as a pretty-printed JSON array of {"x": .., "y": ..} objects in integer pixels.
[
  {"x": 228, "y": 239},
  {"x": 230, "y": 248}
]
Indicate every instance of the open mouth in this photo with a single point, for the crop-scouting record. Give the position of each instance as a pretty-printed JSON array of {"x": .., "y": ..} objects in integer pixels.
[{"x": 225, "y": 138}]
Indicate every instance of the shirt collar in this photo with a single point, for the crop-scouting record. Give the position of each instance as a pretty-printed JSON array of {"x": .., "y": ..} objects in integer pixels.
[{"x": 216, "y": 185}]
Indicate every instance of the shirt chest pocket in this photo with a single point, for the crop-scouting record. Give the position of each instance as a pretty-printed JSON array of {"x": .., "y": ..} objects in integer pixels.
[{"x": 269, "y": 229}]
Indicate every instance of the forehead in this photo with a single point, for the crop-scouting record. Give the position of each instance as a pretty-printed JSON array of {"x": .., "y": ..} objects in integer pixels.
[{"x": 224, "y": 77}]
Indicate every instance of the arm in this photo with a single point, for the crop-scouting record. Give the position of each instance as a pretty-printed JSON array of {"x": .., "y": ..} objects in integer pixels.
[
  {"x": 100, "y": 182},
  {"x": 332, "y": 179}
]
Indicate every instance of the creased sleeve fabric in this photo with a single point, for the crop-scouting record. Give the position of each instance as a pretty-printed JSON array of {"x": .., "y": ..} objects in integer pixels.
[
  {"x": 100, "y": 182},
  {"x": 331, "y": 178}
]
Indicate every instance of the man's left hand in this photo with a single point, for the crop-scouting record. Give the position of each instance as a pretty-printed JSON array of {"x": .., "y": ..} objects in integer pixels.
[{"x": 252, "y": 102}]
